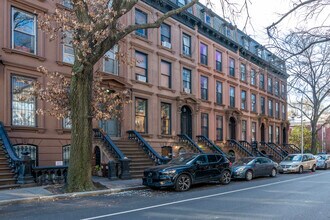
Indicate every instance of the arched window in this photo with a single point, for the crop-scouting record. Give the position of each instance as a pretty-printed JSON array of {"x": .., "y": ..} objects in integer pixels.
[{"x": 32, "y": 149}]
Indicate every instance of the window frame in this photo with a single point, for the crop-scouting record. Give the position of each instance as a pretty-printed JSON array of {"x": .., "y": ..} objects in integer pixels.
[
  {"x": 169, "y": 74},
  {"x": 243, "y": 72},
  {"x": 253, "y": 102},
  {"x": 205, "y": 128},
  {"x": 164, "y": 38},
  {"x": 168, "y": 119},
  {"x": 231, "y": 66},
  {"x": 145, "y": 116},
  {"x": 232, "y": 98},
  {"x": 141, "y": 32},
  {"x": 113, "y": 50},
  {"x": 244, "y": 130},
  {"x": 219, "y": 93},
  {"x": 218, "y": 62},
  {"x": 243, "y": 100},
  {"x": 189, "y": 82},
  {"x": 137, "y": 75},
  {"x": 184, "y": 35},
  {"x": 219, "y": 129},
  {"x": 204, "y": 90},
  {"x": 203, "y": 57}
]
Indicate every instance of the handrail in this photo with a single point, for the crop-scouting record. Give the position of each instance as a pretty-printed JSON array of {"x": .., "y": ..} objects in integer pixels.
[
  {"x": 14, "y": 161},
  {"x": 116, "y": 152},
  {"x": 249, "y": 146},
  {"x": 186, "y": 139},
  {"x": 235, "y": 143},
  {"x": 293, "y": 147},
  {"x": 45, "y": 175},
  {"x": 152, "y": 154},
  {"x": 283, "y": 152},
  {"x": 210, "y": 144},
  {"x": 273, "y": 149}
]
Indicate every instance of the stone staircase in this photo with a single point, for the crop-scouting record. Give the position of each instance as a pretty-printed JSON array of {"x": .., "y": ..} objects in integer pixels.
[
  {"x": 7, "y": 177},
  {"x": 139, "y": 160}
]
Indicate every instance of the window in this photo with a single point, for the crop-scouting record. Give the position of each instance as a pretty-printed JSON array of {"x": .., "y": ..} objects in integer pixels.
[
  {"x": 218, "y": 61},
  {"x": 141, "y": 66},
  {"x": 253, "y": 103},
  {"x": 205, "y": 124},
  {"x": 243, "y": 130},
  {"x": 270, "y": 108},
  {"x": 23, "y": 31},
  {"x": 165, "y": 36},
  {"x": 243, "y": 99},
  {"x": 67, "y": 3},
  {"x": 262, "y": 81},
  {"x": 276, "y": 88},
  {"x": 219, "y": 92},
  {"x": 246, "y": 43},
  {"x": 270, "y": 133},
  {"x": 262, "y": 105},
  {"x": 254, "y": 131},
  {"x": 231, "y": 67},
  {"x": 186, "y": 45},
  {"x": 253, "y": 77},
  {"x": 166, "y": 69},
  {"x": 66, "y": 123},
  {"x": 166, "y": 118},
  {"x": 181, "y": 3},
  {"x": 277, "y": 134},
  {"x": 270, "y": 85},
  {"x": 207, "y": 19},
  {"x": 277, "y": 110},
  {"x": 110, "y": 63},
  {"x": 219, "y": 128},
  {"x": 232, "y": 97},
  {"x": 283, "y": 93},
  {"x": 186, "y": 76},
  {"x": 68, "y": 53},
  {"x": 23, "y": 106},
  {"x": 141, "y": 18},
  {"x": 203, "y": 53},
  {"x": 66, "y": 154},
  {"x": 243, "y": 72},
  {"x": 204, "y": 86},
  {"x": 141, "y": 115},
  {"x": 32, "y": 149},
  {"x": 283, "y": 112}
]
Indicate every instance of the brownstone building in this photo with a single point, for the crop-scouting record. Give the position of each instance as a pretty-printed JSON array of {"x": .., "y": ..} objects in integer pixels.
[{"x": 197, "y": 75}]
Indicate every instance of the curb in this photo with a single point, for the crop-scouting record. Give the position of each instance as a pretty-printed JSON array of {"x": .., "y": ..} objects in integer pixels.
[{"x": 68, "y": 195}]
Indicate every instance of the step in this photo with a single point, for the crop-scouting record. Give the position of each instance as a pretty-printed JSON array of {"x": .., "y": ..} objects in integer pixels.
[
  {"x": 140, "y": 163},
  {"x": 7, "y": 181},
  {"x": 6, "y": 175},
  {"x": 9, "y": 186},
  {"x": 4, "y": 165}
]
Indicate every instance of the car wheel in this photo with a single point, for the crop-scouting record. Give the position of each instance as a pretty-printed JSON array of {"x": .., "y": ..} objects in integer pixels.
[
  {"x": 301, "y": 169},
  {"x": 183, "y": 183},
  {"x": 273, "y": 173},
  {"x": 314, "y": 168},
  {"x": 249, "y": 175},
  {"x": 225, "y": 177},
  {"x": 326, "y": 166}
]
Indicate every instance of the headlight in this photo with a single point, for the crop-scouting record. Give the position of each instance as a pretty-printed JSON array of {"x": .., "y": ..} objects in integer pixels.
[
  {"x": 168, "y": 172},
  {"x": 295, "y": 165}
]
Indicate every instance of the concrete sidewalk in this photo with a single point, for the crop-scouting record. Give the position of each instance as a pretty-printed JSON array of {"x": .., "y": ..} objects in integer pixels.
[{"x": 40, "y": 193}]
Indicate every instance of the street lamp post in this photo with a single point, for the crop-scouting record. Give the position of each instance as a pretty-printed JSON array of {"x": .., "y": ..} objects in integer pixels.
[{"x": 302, "y": 127}]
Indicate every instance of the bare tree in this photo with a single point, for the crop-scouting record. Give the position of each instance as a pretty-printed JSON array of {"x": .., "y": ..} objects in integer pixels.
[
  {"x": 309, "y": 80},
  {"x": 96, "y": 27}
]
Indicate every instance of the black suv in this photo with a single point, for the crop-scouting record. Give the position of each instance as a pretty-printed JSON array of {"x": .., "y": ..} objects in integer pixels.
[{"x": 188, "y": 169}]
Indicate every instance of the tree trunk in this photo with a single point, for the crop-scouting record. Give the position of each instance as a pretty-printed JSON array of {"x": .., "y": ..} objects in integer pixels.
[
  {"x": 314, "y": 139},
  {"x": 80, "y": 170}
]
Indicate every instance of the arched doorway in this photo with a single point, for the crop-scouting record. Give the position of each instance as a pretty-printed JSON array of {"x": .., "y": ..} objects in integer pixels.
[
  {"x": 186, "y": 121},
  {"x": 232, "y": 128},
  {"x": 262, "y": 132},
  {"x": 97, "y": 156},
  {"x": 284, "y": 136}
]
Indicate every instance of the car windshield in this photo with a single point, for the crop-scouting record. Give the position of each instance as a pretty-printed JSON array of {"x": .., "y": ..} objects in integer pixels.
[
  {"x": 183, "y": 159},
  {"x": 244, "y": 161},
  {"x": 293, "y": 158},
  {"x": 323, "y": 157}
]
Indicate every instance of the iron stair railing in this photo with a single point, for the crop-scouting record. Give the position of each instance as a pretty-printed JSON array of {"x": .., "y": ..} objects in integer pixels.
[
  {"x": 275, "y": 153},
  {"x": 254, "y": 150},
  {"x": 280, "y": 149},
  {"x": 152, "y": 154},
  {"x": 185, "y": 139},
  {"x": 210, "y": 144},
  {"x": 292, "y": 148},
  {"x": 233, "y": 143}
]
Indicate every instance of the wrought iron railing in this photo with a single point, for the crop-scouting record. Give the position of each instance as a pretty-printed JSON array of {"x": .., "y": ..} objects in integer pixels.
[
  {"x": 279, "y": 149},
  {"x": 206, "y": 141},
  {"x": 50, "y": 175},
  {"x": 292, "y": 148},
  {"x": 20, "y": 149},
  {"x": 235, "y": 144},
  {"x": 146, "y": 147},
  {"x": 185, "y": 139},
  {"x": 254, "y": 150},
  {"x": 272, "y": 151}
]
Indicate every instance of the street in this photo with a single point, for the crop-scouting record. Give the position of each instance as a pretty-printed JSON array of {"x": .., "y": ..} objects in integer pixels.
[{"x": 287, "y": 196}]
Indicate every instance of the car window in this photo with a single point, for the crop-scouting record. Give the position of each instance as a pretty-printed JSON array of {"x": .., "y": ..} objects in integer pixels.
[
  {"x": 305, "y": 158},
  {"x": 202, "y": 159},
  {"x": 219, "y": 157},
  {"x": 212, "y": 158},
  {"x": 258, "y": 160},
  {"x": 264, "y": 160}
]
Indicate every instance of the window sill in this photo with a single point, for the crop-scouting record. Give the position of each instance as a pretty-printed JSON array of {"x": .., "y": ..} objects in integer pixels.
[
  {"x": 165, "y": 88},
  {"x": 25, "y": 129},
  {"x": 206, "y": 101},
  {"x": 8, "y": 50},
  {"x": 187, "y": 57},
  {"x": 218, "y": 104},
  {"x": 245, "y": 110},
  {"x": 141, "y": 38},
  {"x": 166, "y": 48},
  {"x": 142, "y": 83},
  {"x": 146, "y": 135},
  {"x": 61, "y": 63},
  {"x": 63, "y": 131},
  {"x": 166, "y": 136},
  {"x": 218, "y": 71},
  {"x": 188, "y": 94},
  {"x": 254, "y": 85},
  {"x": 244, "y": 81},
  {"x": 205, "y": 66},
  {"x": 253, "y": 112}
]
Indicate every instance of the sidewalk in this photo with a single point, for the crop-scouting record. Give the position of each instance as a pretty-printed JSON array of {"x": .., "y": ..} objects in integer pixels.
[{"x": 39, "y": 193}]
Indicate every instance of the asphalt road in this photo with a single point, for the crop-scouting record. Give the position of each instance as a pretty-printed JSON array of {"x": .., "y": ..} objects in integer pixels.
[{"x": 287, "y": 196}]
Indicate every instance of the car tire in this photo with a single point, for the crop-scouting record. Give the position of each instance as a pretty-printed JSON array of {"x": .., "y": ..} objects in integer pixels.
[
  {"x": 301, "y": 170},
  {"x": 273, "y": 173},
  {"x": 225, "y": 177},
  {"x": 326, "y": 166},
  {"x": 183, "y": 183},
  {"x": 313, "y": 168},
  {"x": 248, "y": 175}
]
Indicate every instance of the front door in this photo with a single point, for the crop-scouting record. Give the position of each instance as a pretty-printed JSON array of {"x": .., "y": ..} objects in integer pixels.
[
  {"x": 186, "y": 121},
  {"x": 110, "y": 127},
  {"x": 232, "y": 128},
  {"x": 284, "y": 136},
  {"x": 262, "y": 132}
]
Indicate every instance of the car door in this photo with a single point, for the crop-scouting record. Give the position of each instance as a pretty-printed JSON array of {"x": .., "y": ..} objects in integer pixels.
[
  {"x": 258, "y": 167},
  {"x": 214, "y": 169},
  {"x": 305, "y": 162},
  {"x": 268, "y": 165},
  {"x": 202, "y": 172}
]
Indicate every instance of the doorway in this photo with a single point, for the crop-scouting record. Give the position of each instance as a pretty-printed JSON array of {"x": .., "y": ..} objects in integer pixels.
[
  {"x": 284, "y": 136},
  {"x": 232, "y": 128},
  {"x": 110, "y": 127},
  {"x": 262, "y": 132},
  {"x": 186, "y": 121}
]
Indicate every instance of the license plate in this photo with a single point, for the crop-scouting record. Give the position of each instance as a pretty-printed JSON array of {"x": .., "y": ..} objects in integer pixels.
[
  {"x": 285, "y": 169},
  {"x": 149, "y": 180}
]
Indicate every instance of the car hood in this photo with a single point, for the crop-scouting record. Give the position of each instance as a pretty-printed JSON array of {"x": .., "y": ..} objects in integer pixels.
[
  {"x": 289, "y": 163},
  {"x": 239, "y": 166},
  {"x": 165, "y": 167}
]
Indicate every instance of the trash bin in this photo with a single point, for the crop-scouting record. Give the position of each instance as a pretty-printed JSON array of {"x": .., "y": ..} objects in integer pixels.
[{"x": 167, "y": 151}]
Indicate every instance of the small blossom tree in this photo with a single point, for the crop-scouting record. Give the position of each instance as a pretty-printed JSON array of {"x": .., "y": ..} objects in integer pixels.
[{"x": 96, "y": 27}]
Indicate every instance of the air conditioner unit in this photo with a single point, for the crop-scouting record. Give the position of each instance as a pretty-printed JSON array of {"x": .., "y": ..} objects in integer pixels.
[
  {"x": 141, "y": 78},
  {"x": 166, "y": 44},
  {"x": 186, "y": 90}
]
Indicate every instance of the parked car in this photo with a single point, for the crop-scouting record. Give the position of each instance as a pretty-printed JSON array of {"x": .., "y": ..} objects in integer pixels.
[
  {"x": 188, "y": 169},
  {"x": 297, "y": 163},
  {"x": 251, "y": 167},
  {"x": 323, "y": 161}
]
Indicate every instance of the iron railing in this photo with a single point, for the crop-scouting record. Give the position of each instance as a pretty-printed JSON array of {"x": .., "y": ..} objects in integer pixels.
[
  {"x": 210, "y": 144},
  {"x": 185, "y": 139},
  {"x": 233, "y": 143}
]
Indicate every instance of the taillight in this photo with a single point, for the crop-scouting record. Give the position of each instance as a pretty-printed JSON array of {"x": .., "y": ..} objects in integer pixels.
[{"x": 230, "y": 163}]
